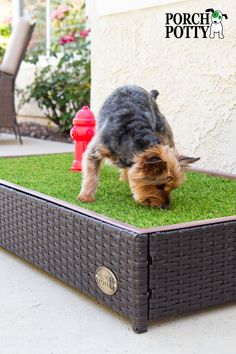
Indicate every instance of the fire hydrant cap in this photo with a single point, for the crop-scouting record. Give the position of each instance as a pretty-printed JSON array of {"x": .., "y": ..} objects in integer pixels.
[{"x": 84, "y": 117}]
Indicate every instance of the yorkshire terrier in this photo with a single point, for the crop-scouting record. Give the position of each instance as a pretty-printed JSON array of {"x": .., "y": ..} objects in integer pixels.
[{"x": 133, "y": 134}]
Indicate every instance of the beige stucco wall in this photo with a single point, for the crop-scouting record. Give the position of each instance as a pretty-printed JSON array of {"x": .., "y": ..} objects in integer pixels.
[{"x": 196, "y": 78}]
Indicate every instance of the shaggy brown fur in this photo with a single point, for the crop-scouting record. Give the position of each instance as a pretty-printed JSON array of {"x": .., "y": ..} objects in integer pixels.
[
  {"x": 134, "y": 135},
  {"x": 155, "y": 173}
]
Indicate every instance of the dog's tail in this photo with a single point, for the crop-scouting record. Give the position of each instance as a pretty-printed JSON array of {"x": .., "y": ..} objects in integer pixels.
[{"x": 154, "y": 94}]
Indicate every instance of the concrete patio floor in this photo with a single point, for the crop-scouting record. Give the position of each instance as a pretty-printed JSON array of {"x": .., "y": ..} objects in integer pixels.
[
  {"x": 41, "y": 315},
  {"x": 9, "y": 146}
]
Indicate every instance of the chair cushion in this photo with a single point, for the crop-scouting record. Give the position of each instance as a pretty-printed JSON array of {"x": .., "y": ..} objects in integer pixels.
[{"x": 16, "y": 46}]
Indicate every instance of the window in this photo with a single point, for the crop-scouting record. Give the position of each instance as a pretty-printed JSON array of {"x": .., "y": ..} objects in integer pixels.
[
  {"x": 41, "y": 11},
  {"x": 5, "y": 10},
  {"x": 36, "y": 9}
]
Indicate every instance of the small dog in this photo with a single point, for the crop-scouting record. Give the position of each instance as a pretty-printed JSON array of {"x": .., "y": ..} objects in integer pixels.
[
  {"x": 216, "y": 23},
  {"x": 133, "y": 134}
]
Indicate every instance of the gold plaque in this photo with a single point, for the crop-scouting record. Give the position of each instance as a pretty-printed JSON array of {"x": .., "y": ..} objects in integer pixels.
[{"x": 106, "y": 280}]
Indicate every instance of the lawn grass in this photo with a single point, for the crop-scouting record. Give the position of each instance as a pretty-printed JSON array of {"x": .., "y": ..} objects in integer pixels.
[{"x": 200, "y": 197}]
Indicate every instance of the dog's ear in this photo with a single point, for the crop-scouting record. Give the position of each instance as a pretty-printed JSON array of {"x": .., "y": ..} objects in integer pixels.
[
  {"x": 154, "y": 94},
  {"x": 210, "y": 10},
  {"x": 154, "y": 164},
  {"x": 225, "y": 16},
  {"x": 184, "y": 161}
]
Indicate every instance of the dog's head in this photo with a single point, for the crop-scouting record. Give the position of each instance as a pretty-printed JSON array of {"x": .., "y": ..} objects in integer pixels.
[
  {"x": 216, "y": 15},
  {"x": 155, "y": 173}
]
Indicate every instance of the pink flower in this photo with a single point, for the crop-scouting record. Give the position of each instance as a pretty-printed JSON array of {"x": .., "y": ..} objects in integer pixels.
[
  {"x": 8, "y": 20},
  {"x": 60, "y": 12},
  {"x": 85, "y": 33},
  {"x": 67, "y": 38}
]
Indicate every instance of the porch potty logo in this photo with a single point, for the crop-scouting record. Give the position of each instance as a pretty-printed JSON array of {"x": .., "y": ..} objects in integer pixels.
[{"x": 197, "y": 25}]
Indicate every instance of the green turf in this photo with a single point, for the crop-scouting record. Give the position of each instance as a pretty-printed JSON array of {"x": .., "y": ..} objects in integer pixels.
[{"x": 200, "y": 197}]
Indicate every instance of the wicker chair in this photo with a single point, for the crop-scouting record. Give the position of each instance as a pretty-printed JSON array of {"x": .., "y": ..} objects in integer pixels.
[{"x": 9, "y": 68}]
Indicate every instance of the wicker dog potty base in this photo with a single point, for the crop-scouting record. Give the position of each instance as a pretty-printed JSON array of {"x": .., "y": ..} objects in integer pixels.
[{"x": 144, "y": 274}]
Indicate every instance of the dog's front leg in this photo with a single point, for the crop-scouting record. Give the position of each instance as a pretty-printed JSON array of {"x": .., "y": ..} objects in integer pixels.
[
  {"x": 91, "y": 164},
  {"x": 212, "y": 33},
  {"x": 220, "y": 33},
  {"x": 124, "y": 174}
]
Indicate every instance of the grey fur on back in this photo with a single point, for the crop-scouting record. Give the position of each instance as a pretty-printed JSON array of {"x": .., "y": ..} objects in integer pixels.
[{"x": 129, "y": 121}]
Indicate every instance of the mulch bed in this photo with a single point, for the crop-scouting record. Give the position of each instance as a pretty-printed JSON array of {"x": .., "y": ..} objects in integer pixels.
[{"x": 35, "y": 130}]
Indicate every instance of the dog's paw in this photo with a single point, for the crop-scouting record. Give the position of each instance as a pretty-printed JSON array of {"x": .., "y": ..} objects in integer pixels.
[
  {"x": 86, "y": 198},
  {"x": 123, "y": 176}
]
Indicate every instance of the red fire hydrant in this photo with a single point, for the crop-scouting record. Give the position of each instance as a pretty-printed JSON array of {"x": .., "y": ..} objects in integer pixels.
[{"x": 82, "y": 132}]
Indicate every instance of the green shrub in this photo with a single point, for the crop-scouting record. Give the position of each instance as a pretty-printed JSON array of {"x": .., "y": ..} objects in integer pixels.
[
  {"x": 5, "y": 31},
  {"x": 62, "y": 86}
]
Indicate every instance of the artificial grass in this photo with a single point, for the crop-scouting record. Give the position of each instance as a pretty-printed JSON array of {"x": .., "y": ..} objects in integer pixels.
[{"x": 200, "y": 197}]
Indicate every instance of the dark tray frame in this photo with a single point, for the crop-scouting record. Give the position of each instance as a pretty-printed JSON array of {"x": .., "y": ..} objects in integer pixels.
[{"x": 159, "y": 271}]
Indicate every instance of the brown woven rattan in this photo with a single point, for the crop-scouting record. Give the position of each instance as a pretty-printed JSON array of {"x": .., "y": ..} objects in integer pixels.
[{"x": 160, "y": 271}]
